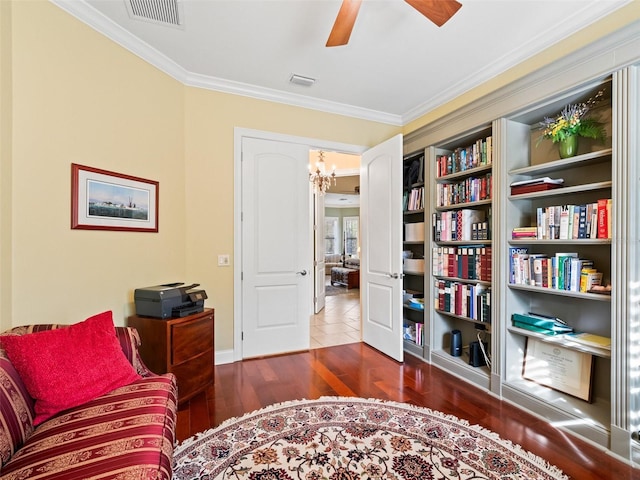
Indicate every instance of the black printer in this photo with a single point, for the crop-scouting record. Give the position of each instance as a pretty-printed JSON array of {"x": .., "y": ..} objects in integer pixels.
[{"x": 171, "y": 300}]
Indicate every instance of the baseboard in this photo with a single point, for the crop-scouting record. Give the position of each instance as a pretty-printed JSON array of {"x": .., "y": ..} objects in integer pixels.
[{"x": 225, "y": 356}]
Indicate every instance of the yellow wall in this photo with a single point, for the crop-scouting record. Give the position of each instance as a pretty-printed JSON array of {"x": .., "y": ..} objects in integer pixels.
[
  {"x": 80, "y": 98},
  {"x": 77, "y": 97},
  {"x": 5, "y": 164}
]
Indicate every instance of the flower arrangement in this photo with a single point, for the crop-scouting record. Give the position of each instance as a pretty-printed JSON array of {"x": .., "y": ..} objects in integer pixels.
[{"x": 572, "y": 121}]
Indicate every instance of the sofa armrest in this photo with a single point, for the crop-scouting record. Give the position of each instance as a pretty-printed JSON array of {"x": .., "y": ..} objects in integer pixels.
[{"x": 130, "y": 343}]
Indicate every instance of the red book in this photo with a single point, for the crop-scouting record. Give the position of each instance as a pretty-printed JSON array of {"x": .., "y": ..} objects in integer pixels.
[
  {"x": 451, "y": 262},
  {"x": 603, "y": 220},
  {"x": 459, "y": 294},
  {"x": 545, "y": 272},
  {"x": 483, "y": 264},
  {"x": 537, "y": 187}
]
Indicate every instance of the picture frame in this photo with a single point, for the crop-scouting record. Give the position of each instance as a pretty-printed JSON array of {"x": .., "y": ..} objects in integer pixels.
[
  {"x": 105, "y": 200},
  {"x": 562, "y": 369}
]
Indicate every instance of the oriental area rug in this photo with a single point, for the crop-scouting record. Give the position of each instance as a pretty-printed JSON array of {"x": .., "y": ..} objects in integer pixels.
[{"x": 344, "y": 438}]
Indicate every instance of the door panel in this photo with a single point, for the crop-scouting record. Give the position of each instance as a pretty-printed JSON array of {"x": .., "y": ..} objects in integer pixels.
[
  {"x": 318, "y": 224},
  {"x": 381, "y": 264},
  {"x": 276, "y": 247}
]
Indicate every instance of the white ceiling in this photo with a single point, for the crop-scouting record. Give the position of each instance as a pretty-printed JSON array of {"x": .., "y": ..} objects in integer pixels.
[{"x": 397, "y": 66}]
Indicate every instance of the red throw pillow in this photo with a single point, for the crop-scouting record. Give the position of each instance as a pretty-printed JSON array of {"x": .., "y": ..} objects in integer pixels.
[{"x": 69, "y": 366}]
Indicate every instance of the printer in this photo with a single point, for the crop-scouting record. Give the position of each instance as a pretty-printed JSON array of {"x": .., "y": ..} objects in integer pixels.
[{"x": 171, "y": 300}]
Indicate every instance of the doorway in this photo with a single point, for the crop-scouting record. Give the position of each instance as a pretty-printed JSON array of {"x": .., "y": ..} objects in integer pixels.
[
  {"x": 380, "y": 273},
  {"x": 274, "y": 155},
  {"x": 339, "y": 321}
]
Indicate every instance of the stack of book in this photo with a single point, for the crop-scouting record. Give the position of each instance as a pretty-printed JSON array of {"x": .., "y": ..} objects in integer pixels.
[
  {"x": 535, "y": 185},
  {"x": 524, "y": 232},
  {"x": 539, "y": 323}
]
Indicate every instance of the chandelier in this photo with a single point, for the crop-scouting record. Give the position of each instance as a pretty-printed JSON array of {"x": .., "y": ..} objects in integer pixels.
[{"x": 320, "y": 178}]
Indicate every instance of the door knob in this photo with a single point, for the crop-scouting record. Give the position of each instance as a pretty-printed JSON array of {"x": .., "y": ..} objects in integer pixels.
[{"x": 303, "y": 273}]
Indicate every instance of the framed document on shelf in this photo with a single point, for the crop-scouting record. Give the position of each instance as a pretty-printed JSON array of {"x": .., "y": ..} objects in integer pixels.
[{"x": 562, "y": 369}]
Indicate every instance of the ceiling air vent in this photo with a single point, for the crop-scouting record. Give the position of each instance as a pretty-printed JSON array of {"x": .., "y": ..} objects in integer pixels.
[{"x": 162, "y": 12}]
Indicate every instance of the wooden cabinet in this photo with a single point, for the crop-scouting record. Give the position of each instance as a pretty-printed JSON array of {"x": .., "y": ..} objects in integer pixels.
[{"x": 182, "y": 346}]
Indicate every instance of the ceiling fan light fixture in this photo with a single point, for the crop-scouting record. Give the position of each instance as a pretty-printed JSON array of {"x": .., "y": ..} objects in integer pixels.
[{"x": 300, "y": 80}]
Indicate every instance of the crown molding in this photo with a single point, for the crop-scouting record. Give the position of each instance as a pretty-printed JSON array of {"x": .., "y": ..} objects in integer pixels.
[
  {"x": 107, "y": 27},
  {"x": 593, "y": 12},
  {"x": 584, "y": 68},
  {"x": 272, "y": 95}
]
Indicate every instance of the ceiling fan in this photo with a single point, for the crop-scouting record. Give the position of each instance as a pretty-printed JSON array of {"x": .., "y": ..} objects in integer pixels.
[{"x": 438, "y": 11}]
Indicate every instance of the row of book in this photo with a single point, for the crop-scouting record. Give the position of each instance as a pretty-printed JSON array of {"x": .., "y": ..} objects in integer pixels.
[
  {"x": 465, "y": 158},
  {"x": 468, "y": 262},
  {"x": 465, "y": 224},
  {"x": 562, "y": 271},
  {"x": 472, "y": 189},
  {"x": 413, "y": 199},
  {"x": 569, "y": 222},
  {"x": 414, "y": 332},
  {"x": 463, "y": 299}
]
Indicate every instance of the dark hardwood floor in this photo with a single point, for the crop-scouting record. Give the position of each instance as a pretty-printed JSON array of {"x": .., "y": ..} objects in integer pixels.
[{"x": 358, "y": 370}]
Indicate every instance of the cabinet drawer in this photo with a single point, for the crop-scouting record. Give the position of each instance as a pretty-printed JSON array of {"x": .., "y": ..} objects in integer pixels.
[
  {"x": 194, "y": 376},
  {"x": 190, "y": 339}
]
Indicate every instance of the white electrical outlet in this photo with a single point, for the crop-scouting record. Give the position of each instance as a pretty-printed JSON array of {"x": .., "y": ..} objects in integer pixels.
[{"x": 223, "y": 260}]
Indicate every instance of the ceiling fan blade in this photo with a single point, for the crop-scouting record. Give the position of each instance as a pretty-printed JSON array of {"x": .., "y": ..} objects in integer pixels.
[
  {"x": 343, "y": 25},
  {"x": 438, "y": 11}
]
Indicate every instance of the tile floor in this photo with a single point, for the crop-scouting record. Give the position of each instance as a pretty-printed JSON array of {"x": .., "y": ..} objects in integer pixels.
[{"x": 339, "y": 322}]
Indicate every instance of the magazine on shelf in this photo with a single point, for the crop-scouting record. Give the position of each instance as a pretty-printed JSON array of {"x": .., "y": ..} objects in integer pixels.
[
  {"x": 541, "y": 180},
  {"x": 589, "y": 339}
]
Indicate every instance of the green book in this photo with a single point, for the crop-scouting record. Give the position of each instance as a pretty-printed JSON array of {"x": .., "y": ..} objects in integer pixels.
[
  {"x": 546, "y": 323},
  {"x": 533, "y": 328}
]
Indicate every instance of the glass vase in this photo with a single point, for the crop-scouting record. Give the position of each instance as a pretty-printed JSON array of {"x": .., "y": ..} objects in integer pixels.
[{"x": 568, "y": 147}]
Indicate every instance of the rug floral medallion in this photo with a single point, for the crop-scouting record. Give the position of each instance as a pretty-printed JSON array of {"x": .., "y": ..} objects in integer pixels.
[{"x": 344, "y": 438}]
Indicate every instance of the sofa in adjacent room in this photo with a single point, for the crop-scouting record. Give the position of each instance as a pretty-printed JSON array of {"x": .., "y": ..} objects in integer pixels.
[
  {"x": 331, "y": 260},
  {"x": 119, "y": 423}
]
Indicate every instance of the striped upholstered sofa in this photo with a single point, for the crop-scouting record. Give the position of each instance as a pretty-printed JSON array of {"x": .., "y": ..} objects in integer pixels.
[{"x": 127, "y": 433}]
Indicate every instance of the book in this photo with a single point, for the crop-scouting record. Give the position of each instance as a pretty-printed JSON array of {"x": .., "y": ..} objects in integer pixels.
[
  {"x": 537, "y": 270},
  {"x": 536, "y": 181},
  {"x": 564, "y": 223},
  {"x": 535, "y": 187},
  {"x": 582, "y": 222},
  {"x": 544, "y": 322},
  {"x": 513, "y": 259},
  {"x": 559, "y": 270},
  {"x": 603, "y": 219},
  {"x": 575, "y": 275},
  {"x": 534, "y": 328}
]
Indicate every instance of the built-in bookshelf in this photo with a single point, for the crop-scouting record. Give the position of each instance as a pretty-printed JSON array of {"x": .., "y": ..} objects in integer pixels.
[
  {"x": 589, "y": 220},
  {"x": 558, "y": 257},
  {"x": 415, "y": 332},
  {"x": 460, "y": 233}
]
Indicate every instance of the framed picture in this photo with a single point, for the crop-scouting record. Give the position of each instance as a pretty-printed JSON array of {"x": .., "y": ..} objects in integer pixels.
[
  {"x": 562, "y": 369},
  {"x": 103, "y": 200}
]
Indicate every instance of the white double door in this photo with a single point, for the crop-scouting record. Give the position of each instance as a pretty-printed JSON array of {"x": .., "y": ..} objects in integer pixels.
[{"x": 277, "y": 267}]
